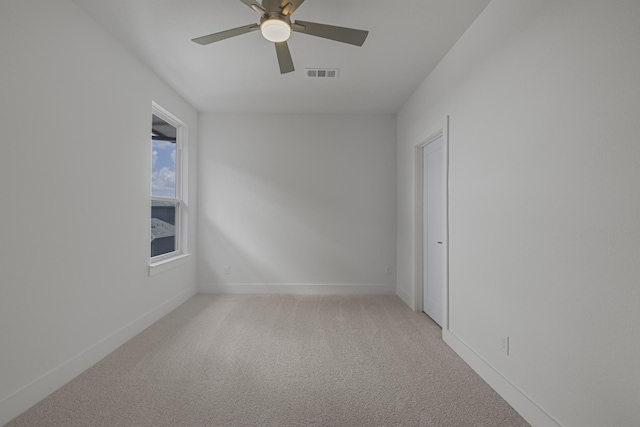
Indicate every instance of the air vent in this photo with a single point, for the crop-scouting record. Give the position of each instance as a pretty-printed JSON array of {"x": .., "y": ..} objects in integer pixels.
[{"x": 322, "y": 73}]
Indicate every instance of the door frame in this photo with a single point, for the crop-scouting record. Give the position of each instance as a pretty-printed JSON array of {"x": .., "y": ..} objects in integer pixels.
[{"x": 439, "y": 130}]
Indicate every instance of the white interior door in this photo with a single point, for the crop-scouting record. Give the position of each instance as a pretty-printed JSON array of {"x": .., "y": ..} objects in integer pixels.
[{"x": 432, "y": 229}]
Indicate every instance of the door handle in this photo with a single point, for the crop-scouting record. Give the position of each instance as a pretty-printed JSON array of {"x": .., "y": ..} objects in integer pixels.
[{"x": 439, "y": 243}]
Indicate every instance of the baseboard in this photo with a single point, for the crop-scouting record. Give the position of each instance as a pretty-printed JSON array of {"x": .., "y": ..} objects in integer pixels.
[
  {"x": 525, "y": 406},
  {"x": 29, "y": 395},
  {"x": 298, "y": 289},
  {"x": 405, "y": 297}
]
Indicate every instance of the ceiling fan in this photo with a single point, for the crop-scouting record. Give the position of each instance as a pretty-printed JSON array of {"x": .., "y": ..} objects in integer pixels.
[{"x": 276, "y": 26}]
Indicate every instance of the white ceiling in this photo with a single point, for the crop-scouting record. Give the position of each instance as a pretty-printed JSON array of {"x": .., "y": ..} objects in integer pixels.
[{"x": 406, "y": 40}]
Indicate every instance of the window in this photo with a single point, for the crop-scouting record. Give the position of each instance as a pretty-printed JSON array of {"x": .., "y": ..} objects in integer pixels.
[{"x": 168, "y": 186}]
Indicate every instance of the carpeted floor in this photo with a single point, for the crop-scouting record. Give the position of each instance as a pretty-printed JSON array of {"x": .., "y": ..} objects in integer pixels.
[{"x": 256, "y": 360}]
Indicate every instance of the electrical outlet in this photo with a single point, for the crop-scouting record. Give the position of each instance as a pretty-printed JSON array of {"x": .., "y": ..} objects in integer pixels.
[
  {"x": 227, "y": 270},
  {"x": 504, "y": 345}
]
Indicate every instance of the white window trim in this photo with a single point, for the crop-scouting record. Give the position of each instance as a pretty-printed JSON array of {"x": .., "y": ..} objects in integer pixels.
[
  {"x": 157, "y": 267},
  {"x": 164, "y": 262}
]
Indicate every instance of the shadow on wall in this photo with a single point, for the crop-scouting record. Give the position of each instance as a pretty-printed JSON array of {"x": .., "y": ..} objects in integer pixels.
[{"x": 275, "y": 230}]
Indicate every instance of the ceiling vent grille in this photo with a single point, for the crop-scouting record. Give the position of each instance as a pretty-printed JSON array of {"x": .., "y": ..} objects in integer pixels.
[{"x": 323, "y": 73}]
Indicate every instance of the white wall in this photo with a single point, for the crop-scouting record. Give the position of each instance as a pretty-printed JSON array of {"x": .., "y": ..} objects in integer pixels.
[
  {"x": 543, "y": 98},
  {"x": 75, "y": 116},
  {"x": 293, "y": 203}
]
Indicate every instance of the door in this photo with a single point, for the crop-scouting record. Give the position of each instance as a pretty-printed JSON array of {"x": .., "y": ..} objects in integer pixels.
[{"x": 432, "y": 229}]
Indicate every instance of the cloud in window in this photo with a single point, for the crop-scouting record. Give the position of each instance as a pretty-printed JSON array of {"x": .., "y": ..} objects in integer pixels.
[
  {"x": 163, "y": 172},
  {"x": 163, "y": 182}
]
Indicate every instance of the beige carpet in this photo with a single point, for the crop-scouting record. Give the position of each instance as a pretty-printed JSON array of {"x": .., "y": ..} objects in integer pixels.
[{"x": 255, "y": 360}]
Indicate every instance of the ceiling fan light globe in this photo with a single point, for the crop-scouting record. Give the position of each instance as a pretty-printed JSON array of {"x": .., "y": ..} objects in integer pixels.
[{"x": 275, "y": 30}]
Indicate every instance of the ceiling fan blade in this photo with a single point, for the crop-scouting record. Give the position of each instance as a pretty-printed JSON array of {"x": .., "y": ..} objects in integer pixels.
[
  {"x": 339, "y": 34},
  {"x": 255, "y": 6},
  {"x": 284, "y": 5},
  {"x": 284, "y": 58},
  {"x": 216, "y": 37}
]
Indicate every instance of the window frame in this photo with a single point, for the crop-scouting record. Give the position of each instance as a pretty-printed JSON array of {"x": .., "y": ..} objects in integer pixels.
[{"x": 161, "y": 262}]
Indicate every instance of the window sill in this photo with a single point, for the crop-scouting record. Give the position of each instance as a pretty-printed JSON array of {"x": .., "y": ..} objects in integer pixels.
[{"x": 166, "y": 264}]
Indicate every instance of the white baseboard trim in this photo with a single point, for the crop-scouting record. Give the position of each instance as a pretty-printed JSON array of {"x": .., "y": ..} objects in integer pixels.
[
  {"x": 525, "y": 406},
  {"x": 24, "y": 398},
  {"x": 297, "y": 289},
  {"x": 405, "y": 297}
]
